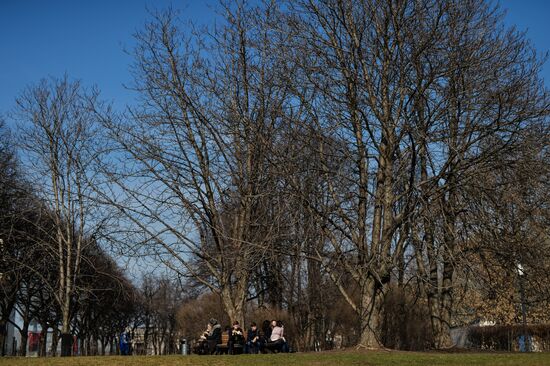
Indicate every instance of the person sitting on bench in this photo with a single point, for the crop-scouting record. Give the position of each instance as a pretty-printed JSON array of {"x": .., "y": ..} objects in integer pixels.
[
  {"x": 277, "y": 340},
  {"x": 252, "y": 339},
  {"x": 265, "y": 335},
  {"x": 236, "y": 339},
  {"x": 213, "y": 335}
]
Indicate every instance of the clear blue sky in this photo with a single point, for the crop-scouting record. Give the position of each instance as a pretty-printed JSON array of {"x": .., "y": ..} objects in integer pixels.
[{"x": 85, "y": 38}]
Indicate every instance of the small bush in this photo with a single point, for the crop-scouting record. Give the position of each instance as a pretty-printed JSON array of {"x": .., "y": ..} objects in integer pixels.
[{"x": 406, "y": 322}]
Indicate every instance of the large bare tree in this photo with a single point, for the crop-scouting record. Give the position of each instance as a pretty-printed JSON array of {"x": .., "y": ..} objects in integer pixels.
[
  {"x": 416, "y": 96},
  {"x": 354, "y": 62},
  {"x": 192, "y": 166}
]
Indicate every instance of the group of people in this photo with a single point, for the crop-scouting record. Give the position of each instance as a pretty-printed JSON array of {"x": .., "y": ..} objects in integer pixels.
[{"x": 269, "y": 338}]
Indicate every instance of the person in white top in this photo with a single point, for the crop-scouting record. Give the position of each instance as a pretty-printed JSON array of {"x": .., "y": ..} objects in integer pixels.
[
  {"x": 277, "y": 338},
  {"x": 277, "y": 332}
]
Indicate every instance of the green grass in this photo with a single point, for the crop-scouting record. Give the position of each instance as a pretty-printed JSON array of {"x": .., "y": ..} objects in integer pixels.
[{"x": 373, "y": 358}]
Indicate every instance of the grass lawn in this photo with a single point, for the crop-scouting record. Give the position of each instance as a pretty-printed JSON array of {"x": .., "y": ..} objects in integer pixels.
[{"x": 310, "y": 359}]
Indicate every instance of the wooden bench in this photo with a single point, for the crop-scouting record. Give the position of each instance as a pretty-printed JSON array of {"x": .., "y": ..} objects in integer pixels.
[{"x": 223, "y": 348}]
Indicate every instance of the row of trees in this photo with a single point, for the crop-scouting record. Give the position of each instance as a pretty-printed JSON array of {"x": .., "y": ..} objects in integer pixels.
[
  {"x": 103, "y": 301},
  {"x": 100, "y": 301},
  {"x": 393, "y": 153}
]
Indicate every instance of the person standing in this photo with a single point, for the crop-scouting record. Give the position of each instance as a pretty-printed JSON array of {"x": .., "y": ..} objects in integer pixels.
[{"x": 124, "y": 343}]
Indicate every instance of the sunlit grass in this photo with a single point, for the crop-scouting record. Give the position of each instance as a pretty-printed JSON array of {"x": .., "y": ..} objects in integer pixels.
[{"x": 314, "y": 359}]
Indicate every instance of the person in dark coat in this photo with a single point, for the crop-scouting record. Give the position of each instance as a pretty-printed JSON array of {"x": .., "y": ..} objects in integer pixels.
[
  {"x": 236, "y": 339},
  {"x": 214, "y": 336},
  {"x": 252, "y": 339},
  {"x": 277, "y": 341},
  {"x": 265, "y": 336}
]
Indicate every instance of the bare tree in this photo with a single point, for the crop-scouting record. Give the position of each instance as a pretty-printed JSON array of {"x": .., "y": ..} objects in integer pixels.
[
  {"x": 353, "y": 57},
  {"x": 195, "y": 152},
  {"x": 57, "y": 137},
  {"x": 476, "y": 90},
  {"x": 12, "y": 250},
  {"x": 418, "y": 95}
]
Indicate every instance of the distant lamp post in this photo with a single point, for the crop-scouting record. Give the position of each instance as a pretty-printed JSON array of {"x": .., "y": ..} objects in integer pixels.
[{"x": 525, "y": 346}]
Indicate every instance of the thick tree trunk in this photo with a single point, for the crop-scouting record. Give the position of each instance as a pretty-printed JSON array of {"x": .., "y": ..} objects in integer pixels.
[
  {"x": 433, "y": 292},
  {"x": 440, "y": 306},
  {"x": 435, "y": 322},
  {"x": 146, "y": 337},
  {"x": 233, "y": 307},
  {"x": 234, "y": 297},
  {"x": 370, "y": 315},
  {"x": 66, "y": 337},
  {"x": 444, "y": 339},
  {"x": 115, "y": 346},
  {"x": 24, "y": 339},
  {"x": 315, "y": 333},
  {"x": 87, "y": 344},
  {"x": 446, "y": 293},
  {"x": 369, "y": 334}
]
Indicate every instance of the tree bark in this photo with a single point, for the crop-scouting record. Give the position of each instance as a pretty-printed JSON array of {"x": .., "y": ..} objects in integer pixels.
[
  {"x": 370, "y": 315},
  {"x": 3, "y": 336},
  {"x": 24, "y": 338},
  {"x": 55, "y": 341},
  {"x": 43, "y": 339}
]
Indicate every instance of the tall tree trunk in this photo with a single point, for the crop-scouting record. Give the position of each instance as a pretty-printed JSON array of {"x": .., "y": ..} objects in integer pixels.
[
  {"x": 146, "y": 334},
  {"x": 444, "y": 339},
  {"x": 370, "y": 314},
  {"x": 24, "y": 337},
  {"x": 55, "y": 341},
  {"x": 3, "y": 336},
  {"x": 314, "y": 301},
  {"x": 234, "y": 305},
  {"x": 43, "y": 340},
  {"x": 446, "y": 301},
  {"x": 66, "y": 337}
]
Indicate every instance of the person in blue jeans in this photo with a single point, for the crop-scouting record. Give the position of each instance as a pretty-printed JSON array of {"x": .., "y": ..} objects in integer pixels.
[{"x": 252, "y": 339}]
